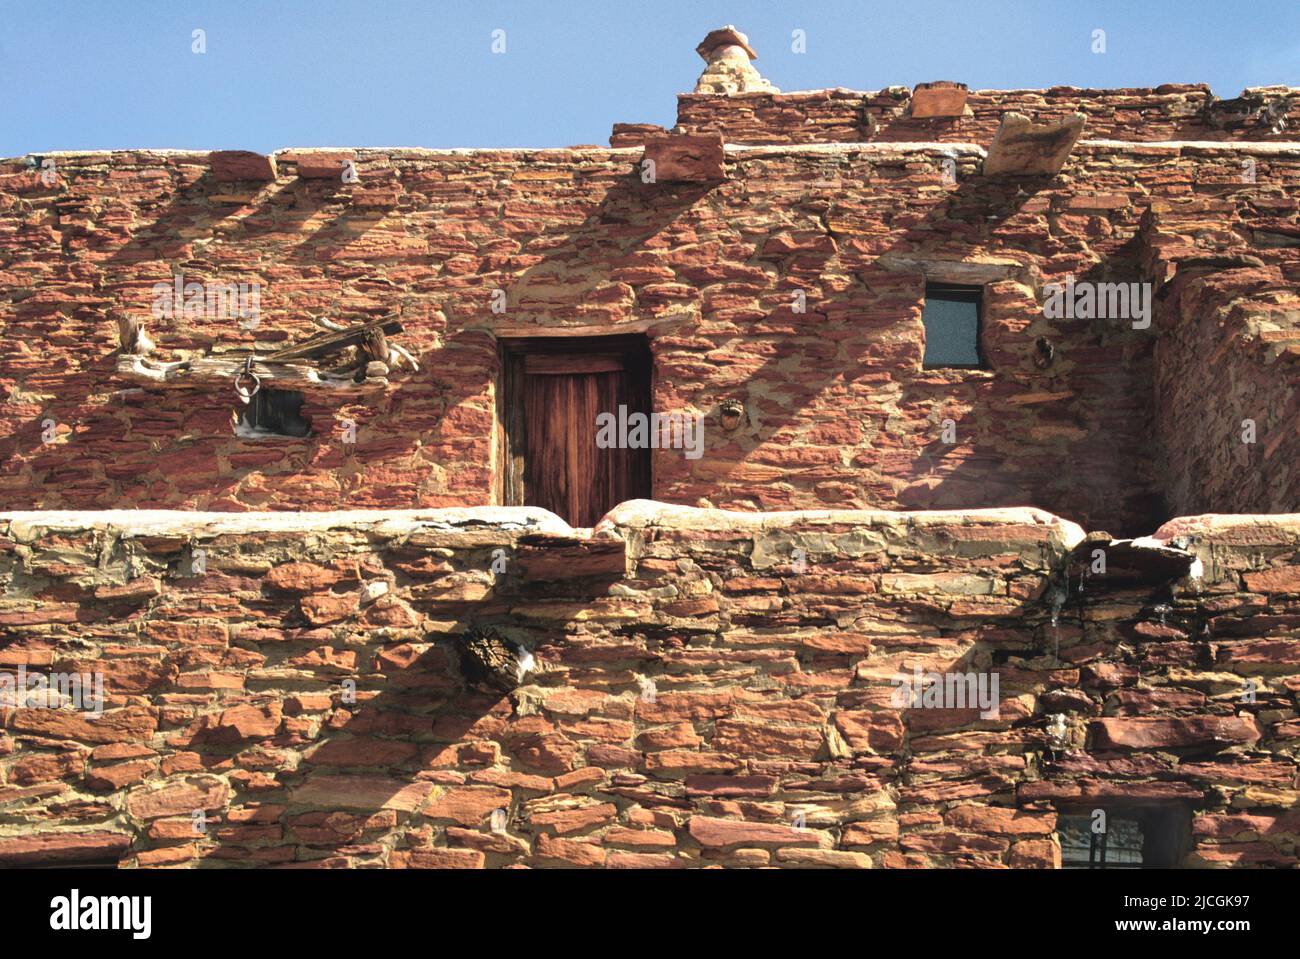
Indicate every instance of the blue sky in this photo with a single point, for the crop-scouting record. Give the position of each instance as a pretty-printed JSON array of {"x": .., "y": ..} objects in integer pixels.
[{"x": 121, "y": 73}]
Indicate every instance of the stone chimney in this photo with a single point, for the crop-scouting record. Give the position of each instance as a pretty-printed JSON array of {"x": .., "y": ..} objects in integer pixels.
[{"x": 728, "y": 54}]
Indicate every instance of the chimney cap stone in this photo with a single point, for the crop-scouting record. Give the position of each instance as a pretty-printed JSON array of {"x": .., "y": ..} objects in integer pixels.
[{"x": 727, "y": 36}]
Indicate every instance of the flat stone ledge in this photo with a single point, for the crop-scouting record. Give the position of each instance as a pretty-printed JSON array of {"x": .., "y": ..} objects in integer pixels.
[
  {"x": 1274, "y": 147},
  {"x": 642, "y": 514},
  {"x": 1233, "y": 528},
  {"x": 23, "y": 525},
  {"x": 877, "y": 147},
  {"x": 1281, "y": 148},
  {"x": 26, "y": 525},
  {"x": 523, "y": 519}
]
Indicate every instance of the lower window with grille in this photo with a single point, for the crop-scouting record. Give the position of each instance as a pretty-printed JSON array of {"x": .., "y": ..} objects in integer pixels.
[{"x": 1124, "y": 837}]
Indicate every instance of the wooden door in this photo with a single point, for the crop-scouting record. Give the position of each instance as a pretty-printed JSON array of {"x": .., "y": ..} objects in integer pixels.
[{"x": 552, "y": 395}]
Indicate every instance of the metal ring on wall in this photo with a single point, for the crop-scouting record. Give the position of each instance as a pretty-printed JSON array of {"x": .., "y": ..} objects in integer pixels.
[{"x": 244, "y": 393}]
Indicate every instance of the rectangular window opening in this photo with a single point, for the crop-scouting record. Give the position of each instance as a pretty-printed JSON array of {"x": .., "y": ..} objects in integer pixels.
[
  {"x": 551, "y": 392},
  {"x": 272, "y": 413},
  {"x": 1127, "y": 837},
  {"x": 952, "y": 315}
]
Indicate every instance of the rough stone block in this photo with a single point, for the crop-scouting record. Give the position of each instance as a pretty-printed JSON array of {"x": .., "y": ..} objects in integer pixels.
[
  {"x": 687, "y": 158},
  {"x": 1024, "y": 148},
  {"x": 230, "y": 166},
  {"x": 942, "y": 98},
  {"x": 320, "y": 164},
  {"x": 1154, "y": 733}
]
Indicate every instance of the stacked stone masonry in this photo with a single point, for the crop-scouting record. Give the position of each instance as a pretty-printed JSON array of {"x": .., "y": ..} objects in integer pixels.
[
  {"x": 839, "y": 412},
  {"x": 1171, "y": 112},
  {"x": 698, "y": 688}
]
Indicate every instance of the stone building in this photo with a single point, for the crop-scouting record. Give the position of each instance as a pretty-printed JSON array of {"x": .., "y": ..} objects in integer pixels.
[{"x": 649, "y": 505}]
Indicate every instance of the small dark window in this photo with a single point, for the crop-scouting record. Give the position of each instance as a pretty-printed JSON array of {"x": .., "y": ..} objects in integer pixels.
[
  {"x": 1141, "y": 837},
  {"x": 273, "y": 413},
  {"x": 952, "y": 325}
]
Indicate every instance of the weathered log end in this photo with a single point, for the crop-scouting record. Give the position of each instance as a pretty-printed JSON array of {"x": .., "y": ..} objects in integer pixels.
[{"x": 489, "y": 660}]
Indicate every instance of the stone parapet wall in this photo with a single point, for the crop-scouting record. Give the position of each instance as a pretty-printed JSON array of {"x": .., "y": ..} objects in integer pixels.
[
  {"x": 1169, "y": 112},
  {"x": 707, "y": 688}
]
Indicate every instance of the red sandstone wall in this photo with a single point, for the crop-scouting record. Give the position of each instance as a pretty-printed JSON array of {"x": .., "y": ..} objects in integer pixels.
[
  {"x": 771, "y": 690},
  {"x": 1228, "y": 346},
  {"x": 1170, "y": 112},
  {"x": 839, "y": 412}
]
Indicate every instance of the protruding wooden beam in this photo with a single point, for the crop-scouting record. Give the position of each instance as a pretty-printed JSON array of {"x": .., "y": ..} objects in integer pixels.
[
  {"x": 490, "y": 661},
  {"x": 286, "y": 369},
  {"x": 218, "y": 373},
  {"x": 1024, "y": 148},
  {"x": 131, "y": 336},
  {"x": 323, "y": 344}
]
